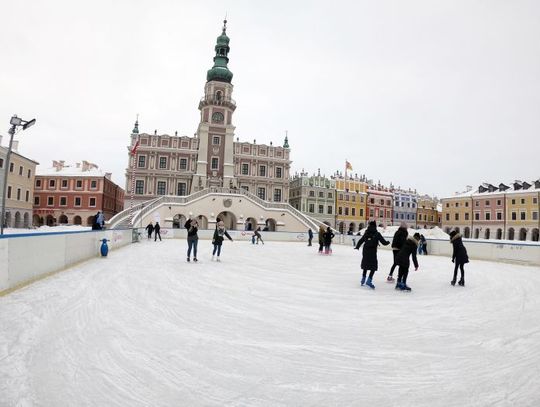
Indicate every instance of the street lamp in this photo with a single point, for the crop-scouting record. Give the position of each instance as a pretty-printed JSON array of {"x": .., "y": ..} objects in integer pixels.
[{"x": 15, "y": 122}]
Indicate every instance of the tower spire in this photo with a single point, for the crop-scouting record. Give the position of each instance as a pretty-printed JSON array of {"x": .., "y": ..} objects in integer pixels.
[
  {"x": 220, "y": 72},
  {"x": 136, "y": 128}
]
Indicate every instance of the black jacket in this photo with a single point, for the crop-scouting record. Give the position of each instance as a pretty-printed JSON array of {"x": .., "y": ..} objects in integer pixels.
[
  {"x": 218, "y": 237},
  {"x": 459, "y": 254},
  {"x": 157, "y": 228},
  {"x": 370, "y": 240},
  {"x": 327, "y": 237},
  {"x": 310, "y": 233},
  {"x": 150, "y": 228},
  {"x": 399, "y": 238},
  {"x": 192, "y": 232},
  {"x": 410, "y": 247}
]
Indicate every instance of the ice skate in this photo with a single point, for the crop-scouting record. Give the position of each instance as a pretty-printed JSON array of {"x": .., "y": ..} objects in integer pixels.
[
  {"x": 399, "y": 286},
  {"x": 370, "y": 284},
  {"x": 195, "y": 260},
  {"x": 218, "y": 259},
  {"x": 453, "y": 282},
  {"x": 188, "y": 260},
  {"x": 461, "y": 283},
  {"x": 390, "y": 279},
  {"x": 405, "y": 287},
  {"x": 363, "y": 280}
]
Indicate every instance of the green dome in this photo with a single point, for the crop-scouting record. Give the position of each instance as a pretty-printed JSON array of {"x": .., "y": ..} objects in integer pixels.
[
  {"x": 223, "y": 39},
  {"x": 220, "y": 72}
]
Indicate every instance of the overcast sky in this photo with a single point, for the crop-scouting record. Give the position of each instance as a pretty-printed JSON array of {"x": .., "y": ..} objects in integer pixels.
[{"x": 432, "y": 95}]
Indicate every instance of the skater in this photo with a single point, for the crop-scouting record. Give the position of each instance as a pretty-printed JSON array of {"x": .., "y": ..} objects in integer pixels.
[
  {"x": 327, "y": 238},
  {"x": 150, "y": 229},
  {"x": 321, "y": 238},
  {"x": 459, "y": 257},
  {"x": 370, "y": 240},
  {"x": 218, "y": 238},
  {"x": 310, "y": 236},
  {"x": 157, "y": 228},
  {"x": 397, "y": 243},
  {"x": 100, "y": 220},
  {"x": 409, "y": 248},
  {"x": 192, "y": 228},
  {"x": 257, "y": 234},
  {"x": 424, "y": 244},
  {"x": 96, "y": 225}
]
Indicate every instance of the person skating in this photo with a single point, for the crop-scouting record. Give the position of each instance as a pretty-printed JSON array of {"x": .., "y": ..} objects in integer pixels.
[
  {"x": 409, "y": 248},
  {"x": 310, "y": 236},
  {"x": 217, "y": 240},
  {"x": 424, "y": 244},
  {"x": 257, "y": 234},
  {"x": 149, "y": 228},
  {"x": 370, "y": 240},
  {"x": 157, "y": 228},
  {"x": 322, "y": 231},
  {"x": 397, "y": 243},
  {"x": 192, "y": 238},
  {"x": 327, "y": 238},
  {"x": 459, "y": 257}
]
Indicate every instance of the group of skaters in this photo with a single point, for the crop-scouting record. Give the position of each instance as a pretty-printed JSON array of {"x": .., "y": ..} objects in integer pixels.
[
  {"x": 192, "y": 227},
  {"x": 404, "y": 247},
  {"x": 155, "y": 229}
]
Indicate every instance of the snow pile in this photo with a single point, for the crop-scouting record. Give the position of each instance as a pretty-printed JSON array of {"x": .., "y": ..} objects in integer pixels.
[{"x": 434, "y": 233}]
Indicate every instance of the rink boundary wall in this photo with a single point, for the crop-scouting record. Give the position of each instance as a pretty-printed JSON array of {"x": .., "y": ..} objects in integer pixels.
[{"x": 25, "y": 258}]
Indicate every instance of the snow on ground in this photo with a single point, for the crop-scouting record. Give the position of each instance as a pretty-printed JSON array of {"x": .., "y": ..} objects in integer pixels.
[{"x": 272, "y": 325}]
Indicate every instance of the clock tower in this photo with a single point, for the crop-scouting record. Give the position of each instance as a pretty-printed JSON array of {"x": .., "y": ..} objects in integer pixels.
[{"x": 215, "y": 163}]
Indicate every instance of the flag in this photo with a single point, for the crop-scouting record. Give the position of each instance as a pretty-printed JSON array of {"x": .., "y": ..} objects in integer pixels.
[
  {"x": 134, "y": 149},
  {"x": 348, "y": 165}
]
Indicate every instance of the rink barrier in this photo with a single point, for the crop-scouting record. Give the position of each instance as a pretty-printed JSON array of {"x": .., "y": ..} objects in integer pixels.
[
  {"x": 25, "y": 258},
  {"x": 527, "y": 253}
]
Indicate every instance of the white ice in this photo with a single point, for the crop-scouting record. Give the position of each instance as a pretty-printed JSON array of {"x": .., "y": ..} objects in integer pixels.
[{"x": 272, "y": 325}]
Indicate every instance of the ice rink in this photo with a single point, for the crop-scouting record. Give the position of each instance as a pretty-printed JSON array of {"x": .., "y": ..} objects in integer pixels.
[{"x": 272, "y": 325}]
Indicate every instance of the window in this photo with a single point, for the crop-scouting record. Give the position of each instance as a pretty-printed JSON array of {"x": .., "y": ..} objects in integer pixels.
[
  {"x": 78, "y": 201},
  {"x": 162, "y": 163},
  {"x": 476, "y": 203},
  {"x": 139, "y": 187},
  {"x": 93, "y": 184},
  {"x": 245, "y": 169},
  {"x": 11, "y": 167},
  {"x": 388, "y": 202},
  {"x": 488, "y": 203},
  {"x": 64, "y": 183},
  {"x": 457, "y": 204},
  {"x": 52, "y": 183},
  {"x": 182, "y": 188},
  {"x": 183, "y": 163},
  {"x": 457, "y": 216},
  {"x": 36, "y": 200},
  {"x": 215, "y": 163},
  {"x": 321, "y": 208},
  {"x": 340, "y": 211},
  {"x": 277, "y": 195},
  {"x": 18, "y": 194},
  {"x": 279, "y": 172},
  {"x": 466, "y": 216},
  {"x": 353, "y": 212},
  {"x": 20, "y": 170},
  {"x": 262, "y": 171},
  {"x": 346, "y": 211},
  {"x": 535, "y": 215},
  {"x": 514, "y": 216},
  {"x": 361, "y": 212},
  {"x": 513, "y": 201},
  {"x": 329, "y": 210},
  {"x": 488, "y": 216},
  {"x": 9, "y": 192},
  {"x": 330, "y": 195},
  {"x": 381, "y": 202},
  {"x": 371, "y": 213},
  {"x": 63, "y": 201},
  {"x": 245, "y": 187},
  {"x": 466, "y": 204},
  {"x": 447, "y": 205},
  {"x": 535, "y": 201},
  {"x": 29, "y": 173},
  {"x": 261, "y": 192},
  {"x": 216, "y": 140},
  {"x": 50, "y": 200},
  {"x": 477, "y": 216},
  {"x": 522, "y": 215},
  {"x": 141, "y": 163},
  {"x": 92, "y": 202},
  {"x": 1, "y": 163},
  {"x": 499, "y": 215},
  {"x": 38, "y": 183},
  {"x": 522, "y": 201},
  {"x": 161, "y": 186},
  {"x": 499, "y": 202},
  {"x": 447, "y": 216},
  {"x": 78, "y": 184},
  {"x": 312, "y": 193},
  {"x": 311, "y": 208}
]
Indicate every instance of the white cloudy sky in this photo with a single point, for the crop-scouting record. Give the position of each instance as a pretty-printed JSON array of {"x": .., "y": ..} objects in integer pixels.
[{"x": 432, "y": 95}]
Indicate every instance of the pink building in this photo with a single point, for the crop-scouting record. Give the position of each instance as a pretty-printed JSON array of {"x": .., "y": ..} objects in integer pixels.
[{"x": 380, "y": 205}]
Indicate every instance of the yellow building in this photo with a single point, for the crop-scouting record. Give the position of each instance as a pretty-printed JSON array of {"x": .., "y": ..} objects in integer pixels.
[
  {"x": 427, "y": 215},
  {"x": 457, "y": 213},
  {"x": 522, "y": 208},
  {"x": 351, "y": 201}
]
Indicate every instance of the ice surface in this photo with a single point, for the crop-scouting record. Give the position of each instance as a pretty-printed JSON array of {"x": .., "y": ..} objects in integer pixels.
[{"x": 271, "y": 325}]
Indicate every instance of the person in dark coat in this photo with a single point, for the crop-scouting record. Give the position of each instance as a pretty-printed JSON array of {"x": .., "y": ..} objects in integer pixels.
[
  {"x": 327, "y": 238},
  {"x": 157, "y": 228},
  {"x": 322, "y": 231},
  {"x": 408, "y": 249},
  {"x": 192, "y": 238},
  {"x": 370, "y": 240},
  {"x": 397, "y": 243},
  {"x": 257, "y": 235},
  {"x": 310, "y": 236},
  {"x": 95, "y": 224},
  {"x": 459, "y": 257},
  {"x": 423, "y": 241},
  {"x": 219, "y": 235},
  {"x": 150, "y": 228}
]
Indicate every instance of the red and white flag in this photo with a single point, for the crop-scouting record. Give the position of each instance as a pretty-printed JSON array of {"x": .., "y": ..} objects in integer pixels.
[{"x": 134, "y": 149}]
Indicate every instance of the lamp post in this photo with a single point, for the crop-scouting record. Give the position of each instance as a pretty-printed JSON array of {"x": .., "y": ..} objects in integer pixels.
[{"x": 15, "y": 122}]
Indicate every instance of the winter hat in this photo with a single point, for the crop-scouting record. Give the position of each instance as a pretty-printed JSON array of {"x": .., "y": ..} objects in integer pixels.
[
  {"x": 417, "y": 236},
  {"x": 372, "y": 224},
  {"x": 452, "y": 234}
]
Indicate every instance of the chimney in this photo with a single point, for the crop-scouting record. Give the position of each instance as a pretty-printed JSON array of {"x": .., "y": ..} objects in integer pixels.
[
  {"x": 15, "y": 145},
  {"x": 108, "y": 175},
  {"x": 58, "y": 165},
  {"x": 85, "y": 166}
]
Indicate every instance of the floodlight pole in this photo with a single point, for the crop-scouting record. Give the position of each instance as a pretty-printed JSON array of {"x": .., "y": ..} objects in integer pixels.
[{"x": 15, "y": 121}]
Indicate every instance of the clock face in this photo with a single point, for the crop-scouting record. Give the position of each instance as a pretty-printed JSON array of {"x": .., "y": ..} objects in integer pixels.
[{"x": 217, "y": 117}]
